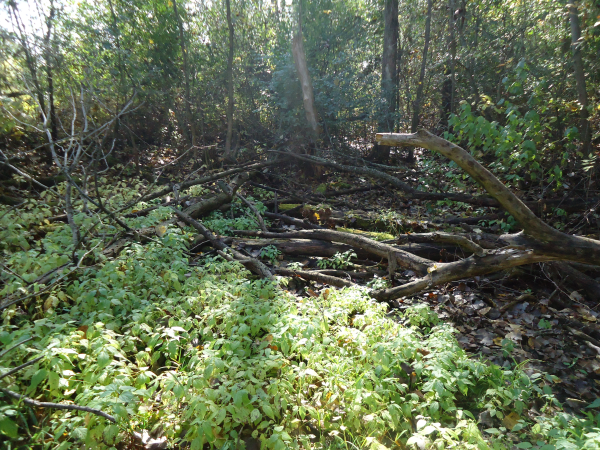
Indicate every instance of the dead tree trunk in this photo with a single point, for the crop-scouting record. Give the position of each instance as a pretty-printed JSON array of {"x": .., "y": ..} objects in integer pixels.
[{"x": 419, "y": 98}]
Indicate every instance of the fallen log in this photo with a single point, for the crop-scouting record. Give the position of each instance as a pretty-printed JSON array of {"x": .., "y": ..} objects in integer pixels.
[
  {"x": 580, "y": 279},
  {"x": 315, "y": 276},
  {"x": 324, "y": 248},
  {"x": 404, "y": 259},
  {"x": 296, "y": 247},
  {"x": 225, "y": 196}
]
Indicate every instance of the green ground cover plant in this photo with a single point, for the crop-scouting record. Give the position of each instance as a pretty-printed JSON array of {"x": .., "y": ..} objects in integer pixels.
[{"x": 206, "y": 355}]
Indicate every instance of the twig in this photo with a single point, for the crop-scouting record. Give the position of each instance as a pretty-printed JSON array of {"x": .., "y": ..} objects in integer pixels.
[
  {"x": 32, "y": 402},
  {"x": 4, "y": 352},
  {"x": 249, "y": 204},
  {"x": 22, "y": 366},
  {"x": 8, "y": 269}
]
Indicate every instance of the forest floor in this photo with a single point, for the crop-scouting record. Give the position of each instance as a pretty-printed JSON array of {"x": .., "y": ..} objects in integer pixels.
[{"x": 531, "y": 319}]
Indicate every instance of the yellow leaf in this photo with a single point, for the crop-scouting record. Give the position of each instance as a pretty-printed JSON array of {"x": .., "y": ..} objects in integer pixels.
[
  {"x": 170, "y": 4},
  {"x": 151, "y": 41},
  {"x": 511, "y": 420},
  {"x": 160, "y": 230}
]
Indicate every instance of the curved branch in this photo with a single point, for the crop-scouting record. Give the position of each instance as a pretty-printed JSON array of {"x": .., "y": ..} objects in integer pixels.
[
  {"x": 532, "y": 225},
  {"x": 537, "y": 234}
]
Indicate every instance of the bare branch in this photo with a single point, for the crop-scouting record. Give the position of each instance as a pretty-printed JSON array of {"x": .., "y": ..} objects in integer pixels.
[{"x": 32, "y": 402}]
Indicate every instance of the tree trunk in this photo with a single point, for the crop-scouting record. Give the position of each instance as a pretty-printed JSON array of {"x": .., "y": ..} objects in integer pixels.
[
  {"x": 389, "y": 79},
  {"x": 228, "y": 153},
  {"x": 582, "y": 97},
  {"x": 448, "y": 87},
  {"x": 304, "y": 77},
  {"x": 49, "y": 77},
  {"x": 188, "y": 110},
  {"x": 419, "y": 99}
]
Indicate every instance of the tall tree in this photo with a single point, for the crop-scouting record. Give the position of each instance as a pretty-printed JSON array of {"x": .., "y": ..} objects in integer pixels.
[
  {"x": 186, "y": 77},
  {"x": 308, "y": 98},
  {"x": 419, "y": 97},
  {"x": 449, "y": 88},
  {"x": 230, "y": 105},
  {"x": 582, "y": 96},
  {"x": 49, "y": 57},
  {"x": 389, "y": 77}
]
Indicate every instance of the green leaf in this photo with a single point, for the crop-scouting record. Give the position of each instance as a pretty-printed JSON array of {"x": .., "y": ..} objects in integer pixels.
[
  {"x": 79, "y": 433},
  {"x": 208, "y": 431},
  {"x": 103, "y": 359},
  {"x": 268, "y": 410},
  {"x": 8, "y": 427},
  {"x": 37, "y": 378},
  {"x": 594, "y": 404},
  {"x": 255, "y": 415}
]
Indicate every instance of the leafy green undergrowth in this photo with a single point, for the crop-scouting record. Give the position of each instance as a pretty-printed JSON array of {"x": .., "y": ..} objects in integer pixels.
[{"x": 210, "y": 358}]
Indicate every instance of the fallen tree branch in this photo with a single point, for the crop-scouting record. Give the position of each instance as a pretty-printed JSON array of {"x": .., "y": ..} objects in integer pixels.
[
  {"x": 405, "y": 259},
  {"x": 32, "y": 402},
  {"x": 207, "y": 179},
  {"x": 440, "y": 273},
  {"x": 446, "y": 238},
  {"x": 253, "y": 264},
  {"x": 293, "y": 221},
  {"x": 408, "y": 190},
  {"x": 587, "y": 283},
  {"x": 261, "y": 222},
  {"x": 4, "y": 352},
  {"x": 210, "y": 204},
  {"x": 22, "y": 366}
]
